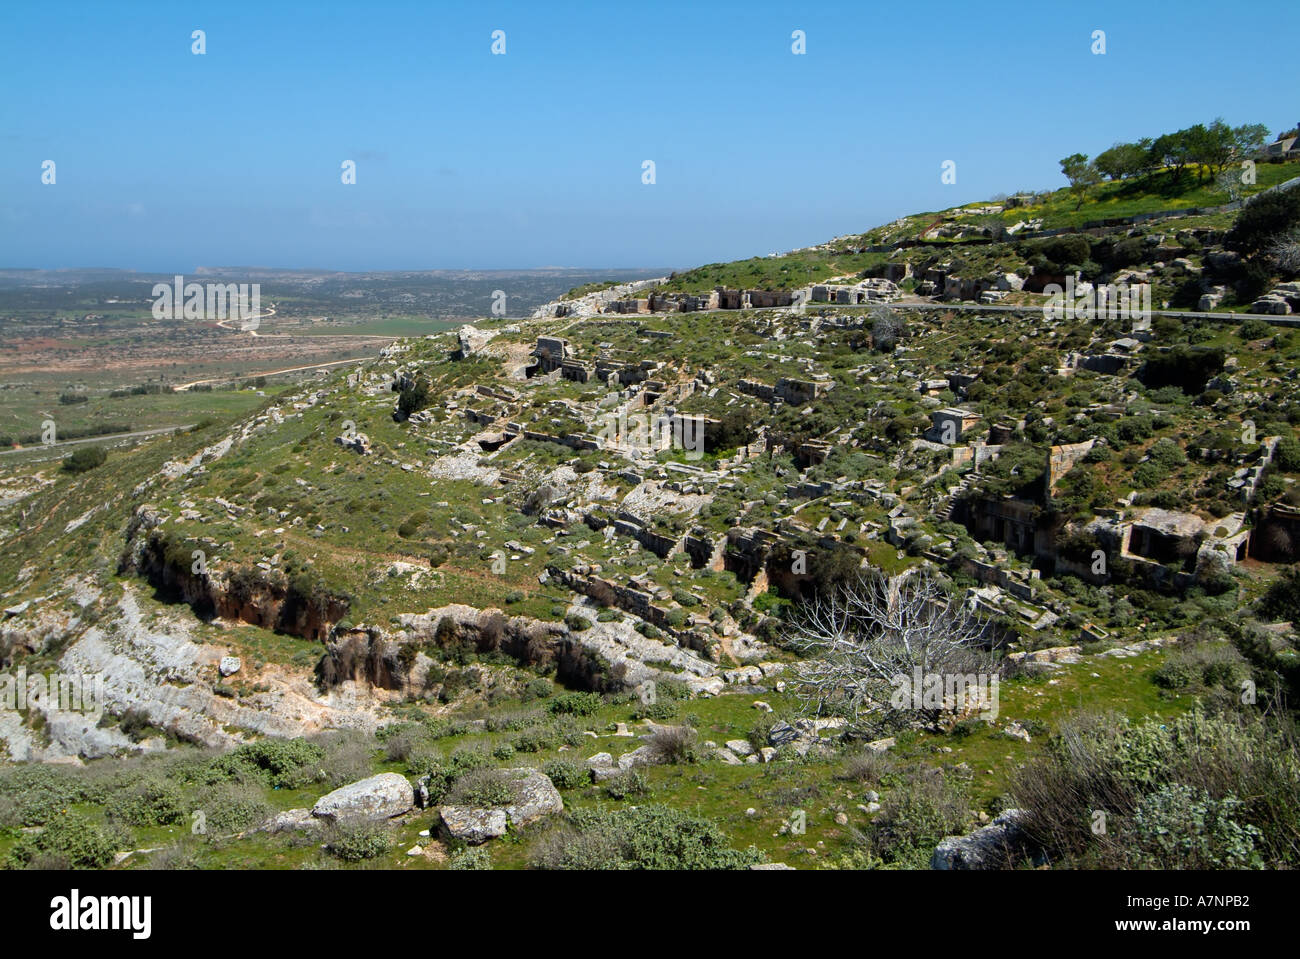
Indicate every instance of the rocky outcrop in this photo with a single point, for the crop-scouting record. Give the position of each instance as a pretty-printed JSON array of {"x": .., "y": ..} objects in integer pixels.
[
  {"x": 292, "y": 820},
  {"x": 534, "y": 797},
  {"x": 377, "y": 798},
  {"x": 470, "y": 339},
  {"x": 604, "y": 657},
  {"x": 152, "y": 666},
  {"x": 1002, "y": 844},
  {"x": 262, "y": 597}
]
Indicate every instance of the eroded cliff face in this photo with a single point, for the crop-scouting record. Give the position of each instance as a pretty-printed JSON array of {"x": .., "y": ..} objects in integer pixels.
[
  {"x": 410, "y": 658},
  {"x": 407, "y": 658},
  {"x": 148, "y": 660},
  {"x": 246, "y": 594}
]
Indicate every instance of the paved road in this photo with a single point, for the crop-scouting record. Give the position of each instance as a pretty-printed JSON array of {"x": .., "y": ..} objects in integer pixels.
[
  {"x": 106, "y": 438},
  {"x": 291, "y": 369}
]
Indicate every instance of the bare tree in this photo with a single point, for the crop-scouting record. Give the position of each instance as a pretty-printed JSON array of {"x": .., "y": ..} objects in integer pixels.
[
  {"x": 873, "y": 637},
  {"x": 887, "y": 327},
  {"x": 1284, "y": 252},
  {"x": 1229, "y": 181}
]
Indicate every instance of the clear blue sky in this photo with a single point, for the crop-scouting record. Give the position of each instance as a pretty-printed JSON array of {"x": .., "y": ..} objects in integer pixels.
[{"x": 167, "y": 161}]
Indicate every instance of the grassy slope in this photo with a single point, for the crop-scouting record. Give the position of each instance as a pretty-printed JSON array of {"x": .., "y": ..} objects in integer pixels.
[{"x": 1160, "y": 191}]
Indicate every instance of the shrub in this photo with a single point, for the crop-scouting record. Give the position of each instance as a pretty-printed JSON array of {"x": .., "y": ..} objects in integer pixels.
[
  {"x": 483, "y": 788},
  {"x": 423, "y": 761},
  {"x": 135, "y": 723},
  {"x": 627, "y": 784},
  {"x": 280, "y": 763},
  {"x": 565, "y": 773},
  {"x": 1282, "y": 601},
  {"x": 1286, "y": 456},
  {"x": 537, "y": 738},
  {"x": 347, "y": 758},
  {"x": 356, "y": 841},
  {"x": 673, "y": 744},
  {"x": 85, "y": 459},
  {"x": 575, "y": 704},
  {"x": 660, "y": 709},
  {"x": 650, "y": 837},
  {"x": 1255, "y": 330},
  {"x": 537, "y": 689},
  {"x": 472, "y": 857},
  {"x": 235, "y": 807},
  {"x": 443, "y": 774},
  {"x": 1108, "y": 764},
  {"x": 867, "y": 767},
  {"x": 1178, "y": 827},
  {"x": 401, "y": 740},
  {"x": 1202, "y": 666},
  {"x": 37, "y": 794},
  {"x": 69, "y": 838},
  {"x": 414, "y": 397},
  {"x": 1262, "y": 220},
  {"x": 152, "y": 802},
  {"x": 914, "y": 816}
]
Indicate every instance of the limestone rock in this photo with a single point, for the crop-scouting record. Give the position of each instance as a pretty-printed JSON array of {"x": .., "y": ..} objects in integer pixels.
[
  {"x": 292, "y": 820},
  {"x": 998, "y": 845},
  {"x": 379, "y": 797},
  {"x": 535, "y": 796},
  {"x": 474, "y": 826}
]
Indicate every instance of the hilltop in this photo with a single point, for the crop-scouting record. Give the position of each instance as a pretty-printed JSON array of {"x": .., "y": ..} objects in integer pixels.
[{"x": 524, "y": 543}]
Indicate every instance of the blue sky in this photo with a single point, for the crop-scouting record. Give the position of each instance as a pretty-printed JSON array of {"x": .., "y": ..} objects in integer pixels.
[{"x": 167, "y": 161}]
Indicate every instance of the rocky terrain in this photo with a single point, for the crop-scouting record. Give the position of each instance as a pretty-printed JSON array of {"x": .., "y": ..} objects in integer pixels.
[{"x": 497, "y": 576}]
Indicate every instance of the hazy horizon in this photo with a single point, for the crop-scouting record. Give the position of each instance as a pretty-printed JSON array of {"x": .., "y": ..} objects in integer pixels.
[{"x": 167, "y": 159}]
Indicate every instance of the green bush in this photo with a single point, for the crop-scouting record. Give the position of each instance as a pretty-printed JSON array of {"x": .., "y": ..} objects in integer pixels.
[
  {"x": 1242, "y": 771},
  {"x": 659, "y": 710},
  {"x": 235, "y": 807},
  {"x": 280, "y": 763},
  {"x": 1255, "y": 330},
  {"x": 152, "y": 802},
  {"x": 1282, "y": 601},
  {"x": 1178, "y": 827},
  {"x": 565, "y": 773},
  {"x": 356, "y": 841},
  {"x": 472, "y": 857},
  {"x": 1286, "y": 456},
  {"x": 649, "y": 837},
  {"x": 85, "y": 459},
  {"x": 443, "y": 774},
  {"x": 503, "y": 751},
  {"x": 915, "y": 816},
  {"x": 537, "y": 689},
  {"x": 69, "y": 839},
  {"x": 575, "y": 704},
  {"x": 626, "y": 785},
  {"x": 482, "y": 788}
]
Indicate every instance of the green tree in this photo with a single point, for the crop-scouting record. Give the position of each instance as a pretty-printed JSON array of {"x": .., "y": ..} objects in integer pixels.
[{"x": 1081, "y": 174}]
